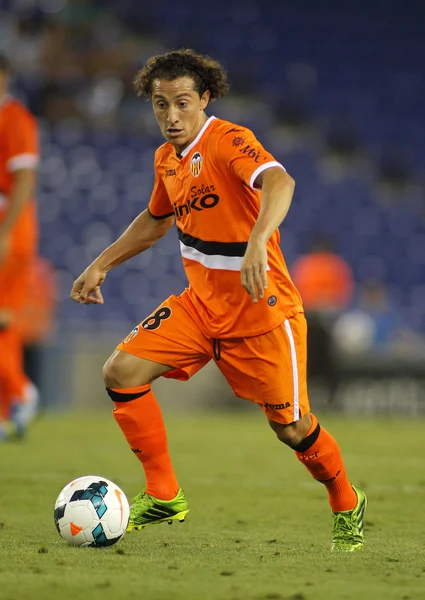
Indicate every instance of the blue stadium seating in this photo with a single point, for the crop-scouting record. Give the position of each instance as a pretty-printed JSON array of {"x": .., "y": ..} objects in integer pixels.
[
  {"x": 88, "y": 196},
  {"x": 361, "y": 64}
]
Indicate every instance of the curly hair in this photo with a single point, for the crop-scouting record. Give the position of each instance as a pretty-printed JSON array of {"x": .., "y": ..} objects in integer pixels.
[{"x": 207, "y": 73}]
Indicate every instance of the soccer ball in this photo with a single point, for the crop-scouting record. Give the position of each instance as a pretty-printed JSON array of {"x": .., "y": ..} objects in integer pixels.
[{"x": 91, "y": 511}]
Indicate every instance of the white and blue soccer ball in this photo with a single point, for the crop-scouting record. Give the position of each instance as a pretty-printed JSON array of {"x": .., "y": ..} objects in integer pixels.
[{"x": 91, "y": 511}]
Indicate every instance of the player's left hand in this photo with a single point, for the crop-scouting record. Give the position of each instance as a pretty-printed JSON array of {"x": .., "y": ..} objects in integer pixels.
[{"x": 254, "y": 269}]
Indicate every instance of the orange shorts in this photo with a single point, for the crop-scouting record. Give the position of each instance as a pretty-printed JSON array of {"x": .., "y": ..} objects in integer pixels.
[
  {"x": 269, "y": 369},
  {"x": 15, "y": 273}
]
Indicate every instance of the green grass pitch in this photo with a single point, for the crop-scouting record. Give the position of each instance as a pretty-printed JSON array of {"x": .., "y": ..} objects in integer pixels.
[{"x": 259, "y": 526}]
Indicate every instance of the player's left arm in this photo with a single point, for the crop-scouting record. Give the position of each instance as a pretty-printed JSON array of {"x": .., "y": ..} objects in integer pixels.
[
  {"x": 22, "y": 160},
  {"x": 24, "y": 181},
  {"x": 23, "y": 187},
  {"x": 277, "y": 191}
]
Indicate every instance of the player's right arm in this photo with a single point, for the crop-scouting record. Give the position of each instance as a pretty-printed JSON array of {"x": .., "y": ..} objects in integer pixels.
[
  {"x": 143, "y": 233},
  {"x": 150, "y": 226}
]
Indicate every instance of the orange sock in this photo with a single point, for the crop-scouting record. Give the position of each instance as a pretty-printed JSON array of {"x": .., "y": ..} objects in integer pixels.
[
  {"x": 139, "y": 416},
  {"x": 320, "y": 454}
]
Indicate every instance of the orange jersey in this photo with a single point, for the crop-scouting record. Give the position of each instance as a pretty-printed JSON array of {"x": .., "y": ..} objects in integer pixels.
[
  {"x": 211, "y": 190},
  {"x": 18, "y": 150}
]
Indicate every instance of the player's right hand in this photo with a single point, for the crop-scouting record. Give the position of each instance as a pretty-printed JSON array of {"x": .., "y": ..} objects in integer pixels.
[{"x": 86, "y": 289}]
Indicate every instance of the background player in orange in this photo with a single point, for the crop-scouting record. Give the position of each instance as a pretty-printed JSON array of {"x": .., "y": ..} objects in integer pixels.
[
  {"x": 228, "y": 196},
  {"x": 323, "y": 278},
  {"x": 18, "y": 242}
]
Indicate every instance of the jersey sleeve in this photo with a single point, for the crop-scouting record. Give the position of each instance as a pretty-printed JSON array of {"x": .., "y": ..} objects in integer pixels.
[
  {"x": 244, "y": 155},
  {"x": 159, "y": 203},
  {"x": 21, "y": 141}
]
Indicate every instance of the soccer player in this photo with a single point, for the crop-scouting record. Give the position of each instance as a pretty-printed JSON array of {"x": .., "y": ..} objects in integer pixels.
[
  {"x": 227, "y": 196},
  {"x": 18, "y": 243}
]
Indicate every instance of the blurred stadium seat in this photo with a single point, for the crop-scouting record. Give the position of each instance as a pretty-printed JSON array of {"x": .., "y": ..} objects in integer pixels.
[{"x": 357, "y": 66}]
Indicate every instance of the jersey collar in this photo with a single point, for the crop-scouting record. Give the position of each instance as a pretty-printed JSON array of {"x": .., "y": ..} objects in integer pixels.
[{"x": 198, "y": 137}]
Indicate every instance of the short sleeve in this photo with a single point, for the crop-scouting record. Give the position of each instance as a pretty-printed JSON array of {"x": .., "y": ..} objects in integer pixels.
[
  {"x": 245, "y": 155},
  {"x": 21, "y": 141},
  {"x": 159, "y": 203}
]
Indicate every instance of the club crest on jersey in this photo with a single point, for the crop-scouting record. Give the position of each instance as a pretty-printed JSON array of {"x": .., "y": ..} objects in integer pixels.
[
  {"x": 131, "y": 335},
  {"x": 196, "y": 164}
]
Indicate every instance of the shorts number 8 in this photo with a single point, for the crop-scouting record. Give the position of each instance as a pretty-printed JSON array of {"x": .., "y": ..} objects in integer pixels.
[{"x": 154, "y": 321}]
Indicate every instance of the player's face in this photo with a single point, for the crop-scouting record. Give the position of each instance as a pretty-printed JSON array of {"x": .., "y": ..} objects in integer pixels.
[{"x": 179, "y": 110}]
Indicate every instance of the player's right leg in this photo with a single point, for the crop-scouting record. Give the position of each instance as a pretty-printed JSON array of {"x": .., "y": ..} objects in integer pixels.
[
  {"x": 139, "y": 417},
  {"x": 167, "y": 343}
]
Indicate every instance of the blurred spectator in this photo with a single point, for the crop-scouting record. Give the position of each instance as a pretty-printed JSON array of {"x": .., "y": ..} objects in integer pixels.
[
  {"x": 71, "y": 59},
  {"x": 374, "y": 325},
  {"x": 342, "y": 153},
  {"x": 324, "y": 279},
  {"x": 395, "y": 178},
  {"x": 325, "y": 282}
]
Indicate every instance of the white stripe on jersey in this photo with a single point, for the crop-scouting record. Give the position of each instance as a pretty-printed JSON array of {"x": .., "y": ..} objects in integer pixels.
[{"x": 213, "y": 261}]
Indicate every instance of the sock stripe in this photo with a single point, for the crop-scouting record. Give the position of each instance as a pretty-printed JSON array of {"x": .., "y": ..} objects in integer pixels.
[
  {"x": 308, "y": 441},
  {"x": 133, "y": 390},
  {"x": 125, "y": 396}
]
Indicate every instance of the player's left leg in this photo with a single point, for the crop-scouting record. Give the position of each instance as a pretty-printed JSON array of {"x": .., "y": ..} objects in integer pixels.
[
  {"x": 12, "y": 377},
  {"x": 275, "y": 378},
  {"x": 318, "y": 450},
  {"x": 19, "y": 399}
]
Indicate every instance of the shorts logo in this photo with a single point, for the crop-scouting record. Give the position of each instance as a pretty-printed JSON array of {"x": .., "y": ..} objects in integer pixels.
[
  {"x": 131, "y": 335},
  {"x": 310, "y": 456},
  {"x": 253, "y": 153},
  {"x": 277, "y": 406},
  {"x": 196, "y": 164},
  {"x": 238, "y": 140},
  {"x": 272, "y": 300}
]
